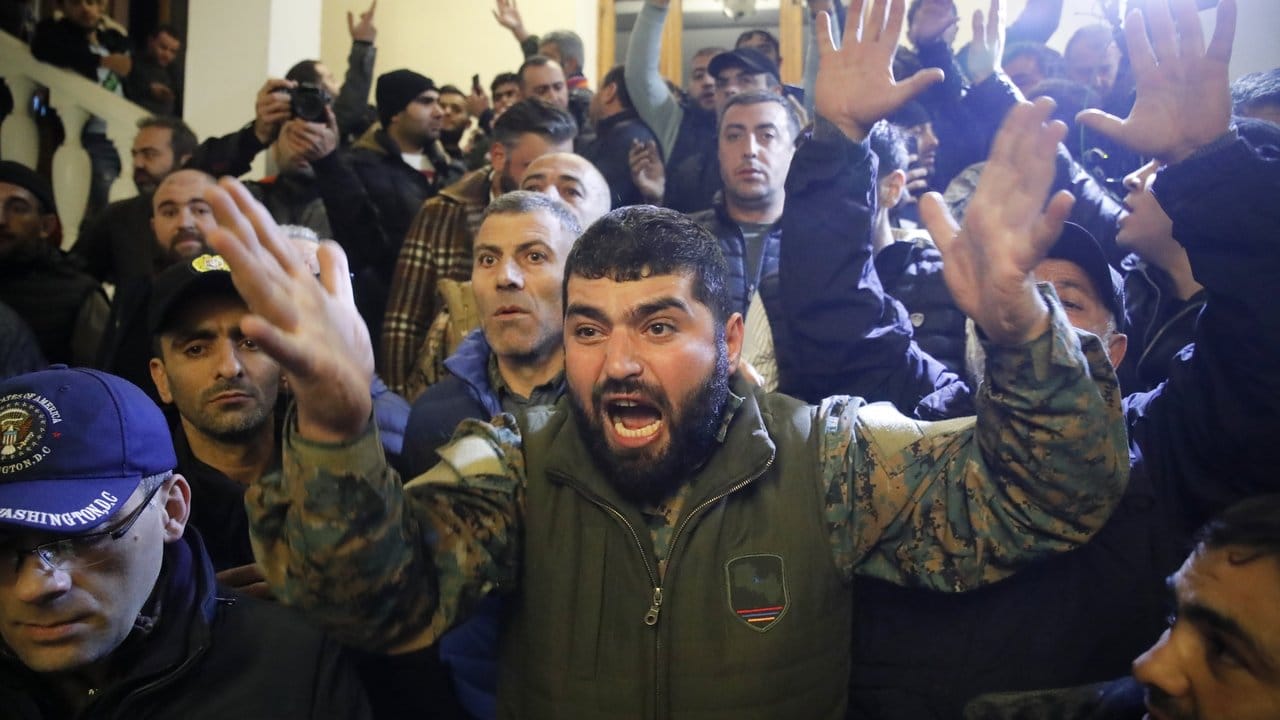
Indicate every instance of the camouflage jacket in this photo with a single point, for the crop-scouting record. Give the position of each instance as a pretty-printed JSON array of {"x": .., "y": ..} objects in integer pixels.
[{"x": 947, "y": 506}]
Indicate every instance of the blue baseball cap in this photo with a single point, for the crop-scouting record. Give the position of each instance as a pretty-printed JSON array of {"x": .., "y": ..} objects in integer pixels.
[{"x": 74, "y": 445}]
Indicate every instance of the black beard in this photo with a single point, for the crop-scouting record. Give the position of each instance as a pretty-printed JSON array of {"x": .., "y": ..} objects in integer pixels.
[
  {"x": 638, "y": 476},
  {"x": 451, "y": 138},
  {"x": 174, "y": 257},
  {"x": 506, "y": 182}
]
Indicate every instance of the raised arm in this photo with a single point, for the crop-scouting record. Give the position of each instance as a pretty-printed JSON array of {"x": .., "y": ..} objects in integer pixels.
[
  {"x": 654, "y": 103},
  {"x": 1206, "y": 432},
  {"x": 961, "y": 503},
  {"x": 352, "y": 102},
  {"x": 383, "y": 566},
  {"x": 839, "y": 332}
]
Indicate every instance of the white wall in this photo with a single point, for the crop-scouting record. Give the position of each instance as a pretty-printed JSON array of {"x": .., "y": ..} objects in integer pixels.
[
  {"x": 1256, "y": 26},
  {"x": 295, "y": 33},
  {"x": 233, "y": 46},
  {"x": 449, "y": 40}
]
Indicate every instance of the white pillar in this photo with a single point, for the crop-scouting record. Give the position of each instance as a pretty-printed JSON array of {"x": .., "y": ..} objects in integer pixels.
[
  {"x": 233, "y": 46},
  {"x": 72, "y": 169},
  {"x": 19, "y": 135}
]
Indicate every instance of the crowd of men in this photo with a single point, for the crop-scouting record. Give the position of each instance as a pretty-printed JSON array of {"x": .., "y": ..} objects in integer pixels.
[{"x": 921, "y": 390}]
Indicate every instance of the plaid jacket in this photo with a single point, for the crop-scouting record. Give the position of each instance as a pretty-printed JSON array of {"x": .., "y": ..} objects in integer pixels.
[{"x": 438, "y": 246}]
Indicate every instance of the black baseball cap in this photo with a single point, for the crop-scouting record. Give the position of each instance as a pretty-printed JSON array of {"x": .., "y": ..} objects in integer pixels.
[
  {"x": 751, "y": 61},
  {"x": 1076, "y": 245},
  {"x": 204, "y": 274}
]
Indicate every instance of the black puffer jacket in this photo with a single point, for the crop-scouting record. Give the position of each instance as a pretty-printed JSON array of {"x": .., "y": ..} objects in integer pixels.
[{"x": 743, "y": 280}]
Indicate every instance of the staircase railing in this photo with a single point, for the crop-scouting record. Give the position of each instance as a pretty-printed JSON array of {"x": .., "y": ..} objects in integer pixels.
[{"x": 75, "y": 100}]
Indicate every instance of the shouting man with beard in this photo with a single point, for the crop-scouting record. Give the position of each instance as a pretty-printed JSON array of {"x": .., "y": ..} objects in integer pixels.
[{"x": 670, "y": 536}]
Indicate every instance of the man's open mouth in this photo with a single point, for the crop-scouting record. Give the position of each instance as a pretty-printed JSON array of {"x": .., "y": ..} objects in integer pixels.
[{"x": 633, "y": 419}]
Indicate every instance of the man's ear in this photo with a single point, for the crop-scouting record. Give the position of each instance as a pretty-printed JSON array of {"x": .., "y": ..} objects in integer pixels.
[
  {"x": 161, "y": 379},
  {"x": 609, "y": 93},
  {"x": 1116, "y": 348},
  {"x": 891, "y": 188},
  {"x": 49, "y": 225},
  {"x": 175, "y": 496},
  {"x": 498, "y": 157},
  {"x": 734, "y": 330}
]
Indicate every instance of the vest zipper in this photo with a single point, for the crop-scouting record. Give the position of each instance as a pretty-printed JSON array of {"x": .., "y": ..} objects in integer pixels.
[
  {"x": 651, "y": 617},
  {"x": 655, "y": 606},
  {"x": 671, "y": 561},
  {"x": 644, "y": 555}
]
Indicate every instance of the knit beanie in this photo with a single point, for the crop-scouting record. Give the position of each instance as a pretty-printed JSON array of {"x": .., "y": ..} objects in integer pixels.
[
  {"x": 396, "y": 90},
  {"x": 18, "y": 174}
]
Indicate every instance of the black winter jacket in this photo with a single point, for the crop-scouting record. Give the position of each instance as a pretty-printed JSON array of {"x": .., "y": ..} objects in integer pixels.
[
  {"x": 1197, "y": 444},
  {"x": 213, "y": 654},
  {"x": 743, "y": 280}
]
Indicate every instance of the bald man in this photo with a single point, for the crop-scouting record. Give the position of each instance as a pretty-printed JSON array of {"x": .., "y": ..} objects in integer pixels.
[{"x": 574, "y": 180}]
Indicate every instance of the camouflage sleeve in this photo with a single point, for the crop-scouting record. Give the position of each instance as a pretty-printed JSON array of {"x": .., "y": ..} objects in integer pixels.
[
  {"x": 384, "y": 566},
  {"x": 960, "y": 503}
]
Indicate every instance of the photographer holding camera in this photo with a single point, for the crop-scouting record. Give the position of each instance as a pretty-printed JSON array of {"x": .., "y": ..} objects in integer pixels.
[{"x": 292, "y": 195}]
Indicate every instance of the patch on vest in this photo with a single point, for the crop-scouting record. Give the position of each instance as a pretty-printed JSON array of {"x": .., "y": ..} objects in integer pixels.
[{"x": 757, "y": 588}]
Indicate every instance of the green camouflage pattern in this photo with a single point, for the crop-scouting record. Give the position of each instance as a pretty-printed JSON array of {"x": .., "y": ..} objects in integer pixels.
[
  {"x": 956, "y": 504},
  {"x": 948, "y": 505}
]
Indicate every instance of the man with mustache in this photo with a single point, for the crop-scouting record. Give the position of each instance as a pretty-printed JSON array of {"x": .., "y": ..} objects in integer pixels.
[
  {"x": 181, "y": 220},
  {"x": 116, "y": 245},
  {"x": 438, "y": 246},
  {"x": 223, "y": 390},
  {"x": 1218, "y": 656},
  {"x": 757, "y": 138},
  {"x": 671, "y": 537}
]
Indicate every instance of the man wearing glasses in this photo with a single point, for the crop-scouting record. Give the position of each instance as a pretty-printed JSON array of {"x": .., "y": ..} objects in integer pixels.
[{"x": 106, "y": 605}]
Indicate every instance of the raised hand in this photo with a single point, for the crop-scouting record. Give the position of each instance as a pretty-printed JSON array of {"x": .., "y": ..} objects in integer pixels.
[
  {"x": 855, "y": 86},
  {"x": 477, "y": 102},
  {"x": 508, "y": 16},
  {"x": 647, "y": 171},
  {"x": 311, "y": 141},
  {"x": 119, "y": 63},
  {"x": 932, "y": 21},
  {"x": 987, "y": 48},
  {"x": 1184, "y": 99},
  {"x": 310, "y": 327},
  {"x": 271, "y": 109},
  {"x": 365, "y": 30},
  {"x": 988, "y": 262}
]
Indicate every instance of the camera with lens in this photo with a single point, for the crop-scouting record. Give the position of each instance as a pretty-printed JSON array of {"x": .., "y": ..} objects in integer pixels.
[{"x": 308, "y": 102}]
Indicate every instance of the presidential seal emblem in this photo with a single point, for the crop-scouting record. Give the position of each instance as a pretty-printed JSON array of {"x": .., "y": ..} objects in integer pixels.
[
  {"x": 23, "y": 426},
  {"x": 210, "y": 263}
]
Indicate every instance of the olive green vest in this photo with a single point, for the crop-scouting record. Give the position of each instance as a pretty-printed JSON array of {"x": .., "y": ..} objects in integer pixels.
[{"x": 753, "y": 619}]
